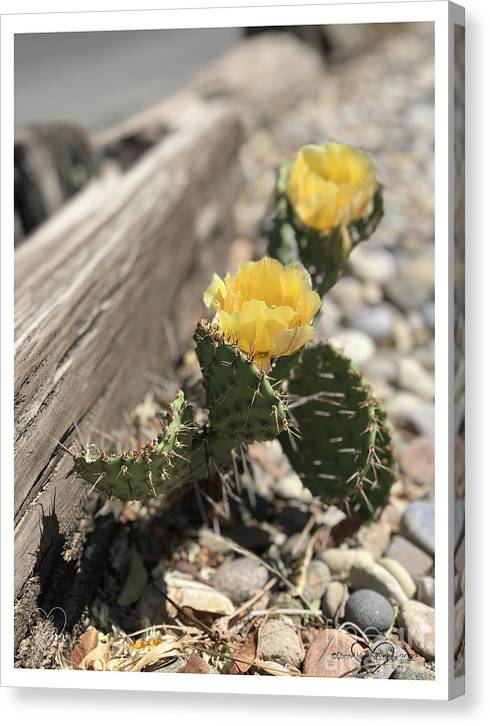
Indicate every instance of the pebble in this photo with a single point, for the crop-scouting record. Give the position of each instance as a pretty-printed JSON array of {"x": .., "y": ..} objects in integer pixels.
[
  {"x": 348, "y": 294},
  {"x": 341, "y": 561},
  {"x": 316, "y": 580},
  {"x": 376, "y": 321},
  {"x": 413, "y": 284},
  {"x": 422, "y": 419},
  {"x": 355, "y": 344},
  {"x": 418, "y": 620},
  {"x": 382, "y": 657},
  {"x": 381, "y": 368},
  {"x": 329, "y": 320},
  {"x": 289, "y": 487},
  {"x": 412, "y": 672},
  {"x": 294, "y": 547},
  {"x": 393, "y": 512},
  {"x": 415, "y": 561},
  {"x": 374, "y": 577},
  {"x": 332, "y": 654},
  {"x": 413, "y": 377},
  {"x": 400, "y": 408},
  {"x": 418, "y": 524},
  {"x": 369, "y": 610},
  {"x": 372, "y": 263},
  {"x": 401, "y": 575},
  {"x": 417, "y": 460},
  {"x": 334, "y": 599},
  {"x": 240, "y": 579},
  {"x": 376, "y": 538},
  {"x": 426, "y": 591},
  {"x": 278, "y": 641}
]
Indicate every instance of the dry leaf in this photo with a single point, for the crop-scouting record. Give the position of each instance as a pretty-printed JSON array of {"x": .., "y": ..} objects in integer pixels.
[
  {"x": 166, "y": 649},
  {"x": 195, "y": 664},
  {"x": 86, "y": 643},
  {"x": 244, "y": 656}
]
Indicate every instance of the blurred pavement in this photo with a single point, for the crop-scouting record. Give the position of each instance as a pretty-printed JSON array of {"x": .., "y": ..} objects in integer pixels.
[{"x": 97, "y": 79}]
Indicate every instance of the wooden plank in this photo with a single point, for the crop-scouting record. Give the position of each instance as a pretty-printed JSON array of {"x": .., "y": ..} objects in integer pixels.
[{"x": 93, "y": 291}]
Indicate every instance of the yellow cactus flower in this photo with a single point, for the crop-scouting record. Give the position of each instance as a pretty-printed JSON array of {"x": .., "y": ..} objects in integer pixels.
[
  {"x": 265, "y": 309},
  {"x": 331, "y": 185}
]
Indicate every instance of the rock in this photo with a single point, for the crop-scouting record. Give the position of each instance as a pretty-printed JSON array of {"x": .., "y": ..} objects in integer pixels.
[
  {"x": 418, "y": 460},
  {"x": 418, "y": 621},
  {"x": 369, "y": 610},
  {"x": 374, "y": 577},
  {"x": 376, "y": 321},
  {"x": 197, "y": 596},
  {"x": 286, "y": 601},
  {"x": 413, "y": 377},
  {"x": 422, "y": 419},
  {"x": 400, "y": 408},
  {"x": 412, "y": 672},
  {"x": 372, "y": 263},
  {"x": 332, "y": 654},
  {"x": 289, "y": 487},
  {"x": 329, "y": 320},
  {"x": 317, "y": 579},
  {"x": 413, "y": 284},
  {"x": 375, "y": 538},
  {"x": 459, "y": 613},
  {"x": 356, "y": 345},
  {"x": 426, "y": 590},
  {"x": 414, "y": 560},
  {"x": 393, "y": 512},
  {"x": 347, "y": 293},
  {"x": 418, "y": 524},
  {"x": 294, "y": 548},
  {"x": 279, "y": 641},
  {"x": 401, "y": 575},
  {"x": 403, "y": 336},
  {"x": 341, "y": 561},
  {"x": 458, "y": 521},
  {"x": 334, "y": 599},
  {"x": 240, "y": 579},
  {"x": 382, "y": 657},
  {"x": 381, "y": 368}
]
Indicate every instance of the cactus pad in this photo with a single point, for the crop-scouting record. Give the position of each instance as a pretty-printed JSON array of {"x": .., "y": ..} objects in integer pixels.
[
  {"x": 243, "y": 405},
  {"x": 323, "y": 255},
  {"x": 343, "y": 454},
  {"x": 155, "y": 469}
]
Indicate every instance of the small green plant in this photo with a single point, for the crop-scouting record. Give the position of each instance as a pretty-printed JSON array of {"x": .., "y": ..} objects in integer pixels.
[{"x": 263, "y": 376}]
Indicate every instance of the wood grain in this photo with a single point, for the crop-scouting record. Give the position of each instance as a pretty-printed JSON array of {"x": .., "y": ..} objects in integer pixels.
[{"x": 94, "y": 289}]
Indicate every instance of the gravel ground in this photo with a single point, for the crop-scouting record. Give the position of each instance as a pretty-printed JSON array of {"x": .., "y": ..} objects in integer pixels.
[{"x": 253, "y": 575}]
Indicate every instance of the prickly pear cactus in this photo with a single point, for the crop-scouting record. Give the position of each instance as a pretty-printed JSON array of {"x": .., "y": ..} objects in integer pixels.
[
  {"x": 243, "y": 405},
  {"x": 156, "y": 468},
  {"x": 343, "y": 453},
  {"x": 323, "y": 255}
]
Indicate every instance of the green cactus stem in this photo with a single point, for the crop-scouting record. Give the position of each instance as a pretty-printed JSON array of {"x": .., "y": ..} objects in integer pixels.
[
  {"x": 323, "y": 255},
  {"x": 243, "y": 405},
  {"x": 158, "y": 467},
  {"x": 343, "y": 451}
]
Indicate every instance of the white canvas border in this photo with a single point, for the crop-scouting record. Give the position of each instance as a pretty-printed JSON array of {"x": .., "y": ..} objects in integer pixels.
[{"x": 442, "y": 14}]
